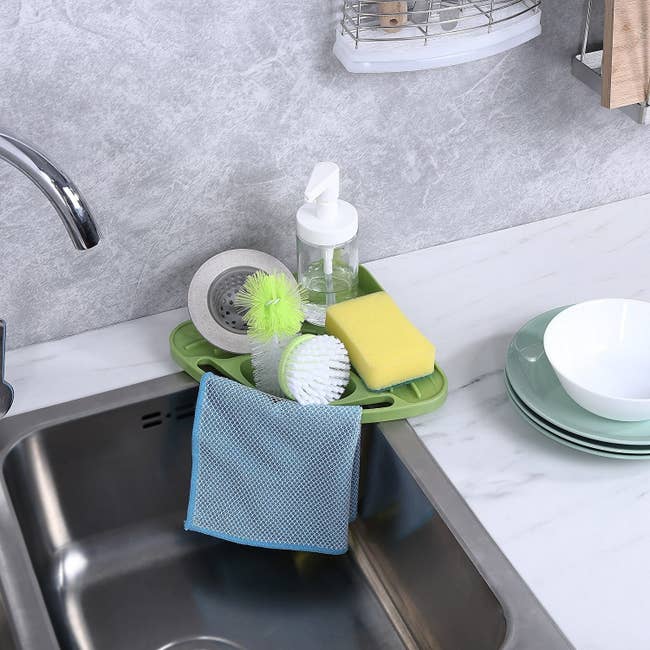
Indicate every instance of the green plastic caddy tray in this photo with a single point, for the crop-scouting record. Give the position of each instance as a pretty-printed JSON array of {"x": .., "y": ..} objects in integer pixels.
[{"x": 196, "y": 357}]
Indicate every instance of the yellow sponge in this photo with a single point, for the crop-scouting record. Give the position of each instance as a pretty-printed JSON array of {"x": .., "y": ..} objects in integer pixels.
[{"x": 385, "y": 348}]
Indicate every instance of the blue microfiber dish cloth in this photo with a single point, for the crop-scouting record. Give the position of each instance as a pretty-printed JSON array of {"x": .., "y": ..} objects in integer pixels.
[{"x": 269, "y": 472}]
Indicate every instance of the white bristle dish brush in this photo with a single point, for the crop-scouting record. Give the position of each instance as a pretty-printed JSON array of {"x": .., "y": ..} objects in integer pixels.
[{"x": 314, "y": 369}]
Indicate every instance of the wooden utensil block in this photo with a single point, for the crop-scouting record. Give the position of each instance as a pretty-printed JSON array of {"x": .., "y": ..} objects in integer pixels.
[{"x": 626, "y": 52}]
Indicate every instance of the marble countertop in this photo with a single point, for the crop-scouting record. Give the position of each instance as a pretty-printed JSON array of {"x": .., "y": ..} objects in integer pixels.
[{"x": 576, "y": 527}]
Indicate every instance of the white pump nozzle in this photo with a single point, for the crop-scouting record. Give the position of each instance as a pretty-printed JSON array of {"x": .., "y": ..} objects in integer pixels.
[
  {"x": 326, "y": 221},
  {"x": 323, "y": 188}
]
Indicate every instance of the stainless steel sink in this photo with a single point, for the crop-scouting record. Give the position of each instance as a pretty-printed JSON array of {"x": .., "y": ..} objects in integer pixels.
[
  {"x": 93, "y": 554},
  {"x": 6, "y": 638}
]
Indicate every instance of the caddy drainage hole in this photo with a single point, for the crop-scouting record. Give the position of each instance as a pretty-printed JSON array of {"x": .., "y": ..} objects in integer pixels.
[
  {"x": 202, "y": 643},
  {"x": 379, "y": 405}
]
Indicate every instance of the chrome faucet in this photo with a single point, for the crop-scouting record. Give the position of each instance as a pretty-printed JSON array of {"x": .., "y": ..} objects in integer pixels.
[{"x": 66, "y": 200}]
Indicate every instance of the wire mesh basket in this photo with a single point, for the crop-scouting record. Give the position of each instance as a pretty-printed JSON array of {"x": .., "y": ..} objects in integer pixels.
[{"x": 389, "y": 36}]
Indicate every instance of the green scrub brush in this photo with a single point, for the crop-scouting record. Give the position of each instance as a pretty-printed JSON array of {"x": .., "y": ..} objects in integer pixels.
[
  {"x": 272, "y": 305},
  {"x": 314, "y": 369}
]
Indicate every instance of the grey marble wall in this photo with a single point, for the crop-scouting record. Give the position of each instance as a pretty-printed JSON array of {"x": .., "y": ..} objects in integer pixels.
[{"x": 192, "y": 126}]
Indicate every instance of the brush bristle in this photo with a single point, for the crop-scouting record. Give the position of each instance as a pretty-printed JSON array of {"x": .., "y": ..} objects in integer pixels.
[
  {"x": 318, "y": 370},
  {"x": 265, "y": 359},
  {"x": 272, "y": 304}
]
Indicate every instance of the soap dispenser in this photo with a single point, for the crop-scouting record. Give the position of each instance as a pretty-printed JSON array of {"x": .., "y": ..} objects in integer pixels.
[{"x": 328, "y": 255}]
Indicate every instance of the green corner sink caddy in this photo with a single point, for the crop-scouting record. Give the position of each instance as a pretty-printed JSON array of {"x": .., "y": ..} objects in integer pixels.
[{"x": 196, "y": 357}]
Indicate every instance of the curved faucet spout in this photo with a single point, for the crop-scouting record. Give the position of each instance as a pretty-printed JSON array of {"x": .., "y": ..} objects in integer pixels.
[{"x": 54, "y": 183}]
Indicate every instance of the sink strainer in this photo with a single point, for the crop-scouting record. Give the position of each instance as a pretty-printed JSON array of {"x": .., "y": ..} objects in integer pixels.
[
  {"x": 202, "y": 643},
  {"x": 221, "y": 298},
  {"x": 212, "y": 293}
]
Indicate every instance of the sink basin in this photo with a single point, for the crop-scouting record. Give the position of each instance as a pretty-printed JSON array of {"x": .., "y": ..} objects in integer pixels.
[
  {"x": 6, "y": 638},
  {"x": 94, "y": 554}
]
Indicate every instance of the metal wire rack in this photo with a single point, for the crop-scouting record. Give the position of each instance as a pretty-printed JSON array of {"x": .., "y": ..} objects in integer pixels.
[{"x": 373, "y": 24}]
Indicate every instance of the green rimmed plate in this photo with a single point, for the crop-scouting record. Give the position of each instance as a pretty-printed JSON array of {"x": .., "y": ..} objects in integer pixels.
[
  {"x": 537, "y": 386},
  {"x": 610, "y": 450}
]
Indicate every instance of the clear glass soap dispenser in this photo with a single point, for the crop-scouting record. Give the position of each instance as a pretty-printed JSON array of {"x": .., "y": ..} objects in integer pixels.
[{"x": 328, "y": 254}]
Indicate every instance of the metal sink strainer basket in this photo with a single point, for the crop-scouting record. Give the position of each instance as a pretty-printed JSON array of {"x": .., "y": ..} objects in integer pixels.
[
  {"x": 393, "y": 36},
  {"x": 212, "y": 292}
]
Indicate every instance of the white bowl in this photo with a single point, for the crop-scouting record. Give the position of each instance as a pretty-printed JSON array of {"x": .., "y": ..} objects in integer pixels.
[{"x": 600, "y": 351}]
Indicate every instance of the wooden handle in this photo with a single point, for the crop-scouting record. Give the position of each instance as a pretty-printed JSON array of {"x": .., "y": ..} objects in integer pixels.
[
  {"x": 392, "y": 22},
  {"x": 626, "y": 52}
]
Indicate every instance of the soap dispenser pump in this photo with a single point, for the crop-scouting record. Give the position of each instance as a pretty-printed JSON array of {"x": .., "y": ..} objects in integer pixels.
[{"x": 328, "y": 255}]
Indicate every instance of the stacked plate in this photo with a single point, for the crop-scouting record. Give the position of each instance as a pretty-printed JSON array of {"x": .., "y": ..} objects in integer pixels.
[{"x": 540, "y": 399}]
